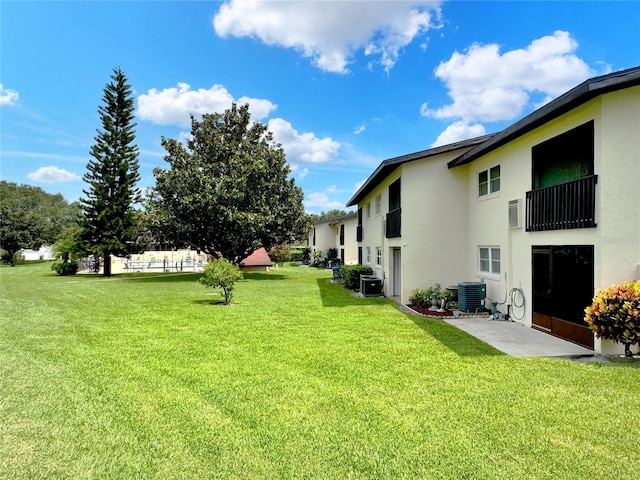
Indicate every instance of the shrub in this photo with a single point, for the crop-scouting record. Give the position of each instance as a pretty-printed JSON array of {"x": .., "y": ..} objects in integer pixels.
[
  {"x": 350, "y": 275},
  {"x": 280, "y": 254},
  {"x": 420, "y": 297},
  {"x": 221, "y": 273},
  {"x": 297, "y": 256},
  {"x": 65, "y": 268},
  {"x": 615, "y": 314}
]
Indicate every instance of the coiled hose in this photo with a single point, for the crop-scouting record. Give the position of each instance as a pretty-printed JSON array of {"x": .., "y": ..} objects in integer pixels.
[{"x": 513, "y": 297}]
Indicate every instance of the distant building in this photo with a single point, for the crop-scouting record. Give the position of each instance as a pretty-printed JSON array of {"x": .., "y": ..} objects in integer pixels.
[{"x": 339, "y": 233}]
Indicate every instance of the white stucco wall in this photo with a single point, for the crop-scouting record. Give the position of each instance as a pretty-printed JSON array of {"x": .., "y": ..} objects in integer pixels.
[{"x": 616, "y": 239}]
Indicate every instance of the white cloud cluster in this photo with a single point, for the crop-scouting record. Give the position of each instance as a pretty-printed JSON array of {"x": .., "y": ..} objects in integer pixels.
[
  {"x": 487, "y": 86},
  {"x": 173, "y": 106},
  {"x": 303, "y": 147},
  {"x": 8, "y": 96},
  {"x": 52, "y": 175},
  {"x": 459, "y": 131},
  {"x": 330, "y": 32},
  {"x": 321, "y": 201}
]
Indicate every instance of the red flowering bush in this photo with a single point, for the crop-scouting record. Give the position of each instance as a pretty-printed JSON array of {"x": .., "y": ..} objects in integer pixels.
[{"x": 615, "y": 314}]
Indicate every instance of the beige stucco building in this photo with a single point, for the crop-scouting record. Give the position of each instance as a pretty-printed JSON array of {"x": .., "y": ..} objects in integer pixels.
[
  {"x": 339, "y": 233},
  {"x": 542, "y": 213}
]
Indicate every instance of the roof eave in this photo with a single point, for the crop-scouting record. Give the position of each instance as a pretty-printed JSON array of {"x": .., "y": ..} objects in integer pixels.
[{"x": 388, "y": 166}]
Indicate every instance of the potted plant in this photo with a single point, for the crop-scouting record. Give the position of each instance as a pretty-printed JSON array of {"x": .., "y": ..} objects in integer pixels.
[{"x": 434, "y": 294}]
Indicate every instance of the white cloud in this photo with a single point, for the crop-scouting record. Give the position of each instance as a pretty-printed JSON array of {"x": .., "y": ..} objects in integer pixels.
[
  {"x": 303, "y": 147},
  {"x": 359, "y": 130},
  {"x": 320, "y": 200},
  {"x": 172, "y": 106},
  {"x": 459, "y": 131},
  {"x": 303, "y": 173},
  {"x": 8, "y": 96},
  {"x": 331, "y": 32},
  {"x": 488, "y": 86},
  {"x": 52, "y": 175},
  {"x": 359, "y": 185}
]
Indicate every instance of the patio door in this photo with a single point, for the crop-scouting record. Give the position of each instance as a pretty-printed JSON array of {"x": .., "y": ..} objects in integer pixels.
[{"x": 562, "y": 289}]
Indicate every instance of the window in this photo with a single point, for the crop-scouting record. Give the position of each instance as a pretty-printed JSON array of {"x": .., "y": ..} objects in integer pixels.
[
  {"x": 378, "y": 255},
  {"x": 378, "y": 204},
  {"x": 489, "y": 181},
  {"x": 368, "y": 209},
  {"x": 368, "y": 255},
  {"x": 314, "y": 235},
  {"x": 394, "y": 195},
  {"x": 489, "y": 260}
]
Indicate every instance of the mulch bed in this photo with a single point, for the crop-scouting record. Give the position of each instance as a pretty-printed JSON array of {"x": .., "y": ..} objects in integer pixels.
[{"x": 432, "y": 313}]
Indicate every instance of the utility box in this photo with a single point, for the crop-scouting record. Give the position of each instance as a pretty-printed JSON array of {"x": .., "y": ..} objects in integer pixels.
[
  {"x": 370, "y": 286},
  {"x": 471, "y": 296}
]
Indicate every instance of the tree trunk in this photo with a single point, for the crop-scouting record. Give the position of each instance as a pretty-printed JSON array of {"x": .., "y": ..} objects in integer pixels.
[{"x": 106, "y": 267}]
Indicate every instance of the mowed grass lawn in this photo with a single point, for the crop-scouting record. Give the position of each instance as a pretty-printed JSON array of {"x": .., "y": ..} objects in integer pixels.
[{"x": 140, "y": 376}]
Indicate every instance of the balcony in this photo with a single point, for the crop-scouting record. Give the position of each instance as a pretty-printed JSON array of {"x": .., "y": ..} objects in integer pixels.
[
  {"x": 564, "y": 206},
  {"x": 393, "y": 222}
]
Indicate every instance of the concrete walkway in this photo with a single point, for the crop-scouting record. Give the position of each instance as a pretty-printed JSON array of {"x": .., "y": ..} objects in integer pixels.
[{"x": 517, "y": 340}]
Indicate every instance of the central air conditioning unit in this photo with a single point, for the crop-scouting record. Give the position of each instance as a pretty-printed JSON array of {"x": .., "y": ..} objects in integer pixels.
[
  {"x": 370, "y": 286},
  {"x": 471, "y": 296},
  {"x": 515, "y": 213}
]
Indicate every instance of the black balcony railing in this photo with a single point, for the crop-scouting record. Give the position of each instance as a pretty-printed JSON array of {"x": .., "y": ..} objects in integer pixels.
[
  {"x": 359, "y": 233},
  {"x": 393, "y": 222},
  {"x": 564, "y": 206}
]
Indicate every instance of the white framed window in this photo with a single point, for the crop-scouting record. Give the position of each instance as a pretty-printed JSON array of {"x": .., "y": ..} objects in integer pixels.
[
  {"x": 378, "y": 255},
  {"x": 378, "y": 204},
  {"x": 368, "y": 255},
  {"x": 489, "y": 181},
  {"x": 368, "y": 209},
  {"x": 489, "y": 260}
]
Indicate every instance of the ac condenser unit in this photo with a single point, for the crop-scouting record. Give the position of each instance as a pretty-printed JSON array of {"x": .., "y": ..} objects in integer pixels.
[
  {"x": 370, "y": 286},
  {"x": 515, "y": 213},
  {"x": 471, "y": 296}
]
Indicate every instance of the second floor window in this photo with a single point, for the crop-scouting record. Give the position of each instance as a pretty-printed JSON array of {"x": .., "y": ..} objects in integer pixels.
[
  {"x": 489, "y": 181},
  {"x": 378, "y": 204}
]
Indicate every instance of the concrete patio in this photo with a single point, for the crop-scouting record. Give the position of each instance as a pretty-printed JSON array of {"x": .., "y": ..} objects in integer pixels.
[{"x": 517, "y": 340}]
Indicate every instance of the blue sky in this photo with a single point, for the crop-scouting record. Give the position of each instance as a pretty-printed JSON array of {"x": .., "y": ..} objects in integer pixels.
[{"x": 342, "y": 85}]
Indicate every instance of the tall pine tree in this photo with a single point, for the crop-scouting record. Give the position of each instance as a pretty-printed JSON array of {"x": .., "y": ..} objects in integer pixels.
[{"x": 109, "y": 222}]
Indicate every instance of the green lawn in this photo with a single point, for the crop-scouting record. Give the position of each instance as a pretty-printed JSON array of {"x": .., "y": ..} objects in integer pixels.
[{"x": 142, "y": 377}]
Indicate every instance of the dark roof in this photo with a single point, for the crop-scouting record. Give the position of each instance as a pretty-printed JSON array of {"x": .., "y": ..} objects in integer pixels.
[
  {"x": 573, "y": 98},
  {"x": 259, "y": 258},
  {"x": 388, "y": 166},
  {"x": 334, "y": 220}
]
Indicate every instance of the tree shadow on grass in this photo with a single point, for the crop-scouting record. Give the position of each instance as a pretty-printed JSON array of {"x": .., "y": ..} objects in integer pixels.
[
  {"x": 456, "y": 340},
  {"x": 336, "y": 295},
  {"x": 161, "y": 277},
  {"x": 263, "y": 276}
]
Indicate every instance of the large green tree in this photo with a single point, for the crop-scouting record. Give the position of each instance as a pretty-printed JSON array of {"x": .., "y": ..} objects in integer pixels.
[
  {"x": 110, "y": 224},
  {"x": 229, "y": 191},
  {"x": 31, "y": 217}
]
